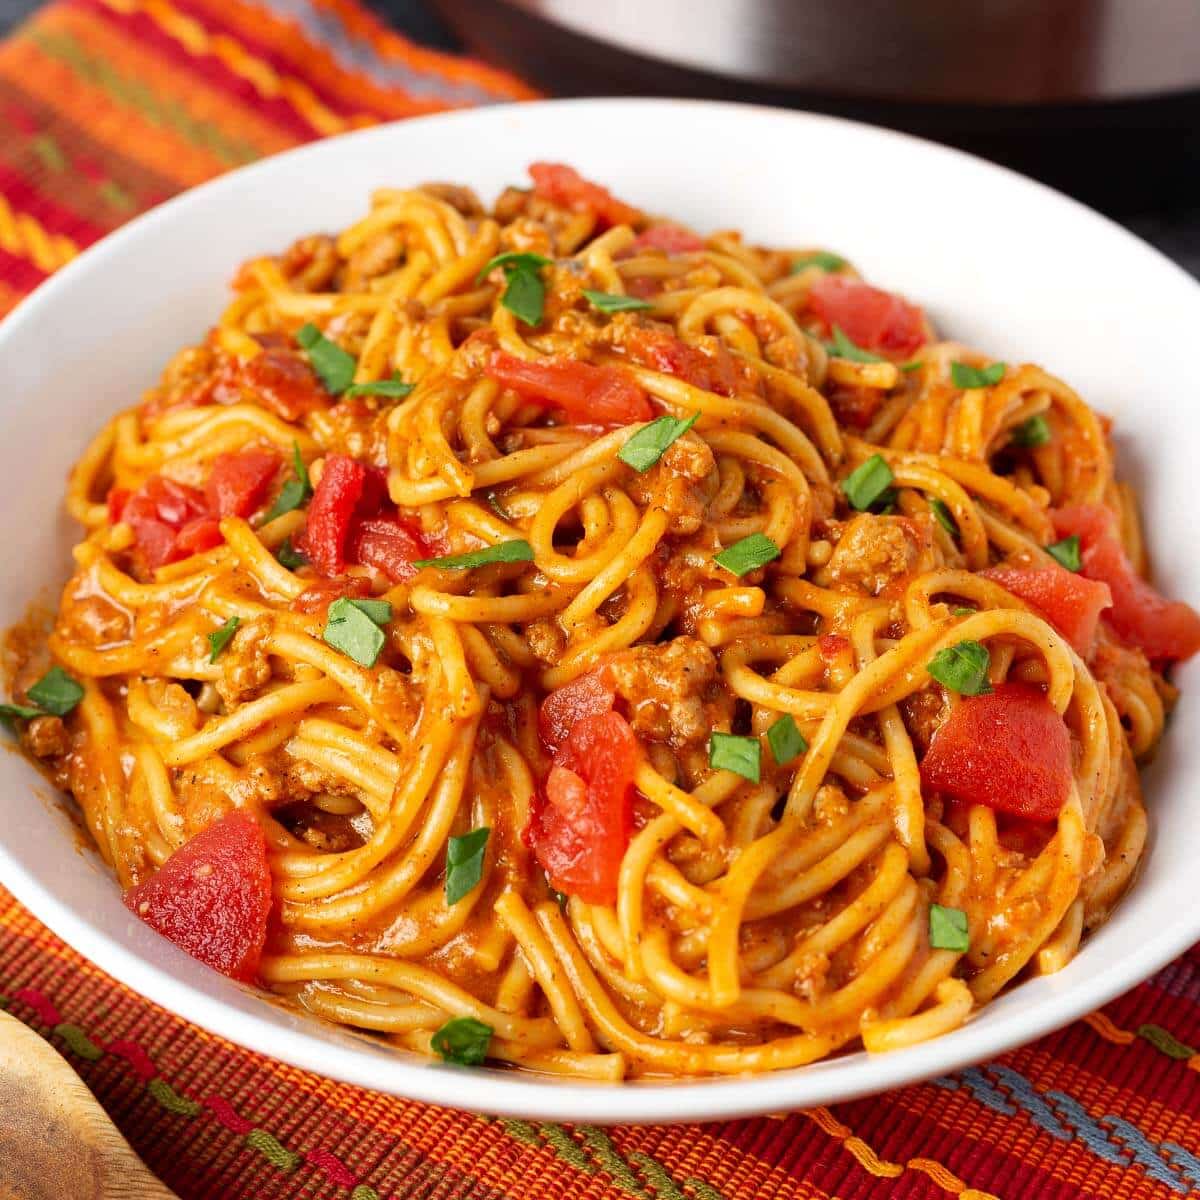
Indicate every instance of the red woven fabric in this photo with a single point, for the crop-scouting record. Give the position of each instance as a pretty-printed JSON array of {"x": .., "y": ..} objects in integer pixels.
[{"x": 106, "y": 108}]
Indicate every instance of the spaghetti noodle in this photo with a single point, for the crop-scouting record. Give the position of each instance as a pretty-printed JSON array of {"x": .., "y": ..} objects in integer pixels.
[{"x": 638, "y": 653}]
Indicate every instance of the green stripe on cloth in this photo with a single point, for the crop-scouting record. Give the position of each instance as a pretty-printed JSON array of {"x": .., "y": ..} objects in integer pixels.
[{"x": 135, "y": 95}]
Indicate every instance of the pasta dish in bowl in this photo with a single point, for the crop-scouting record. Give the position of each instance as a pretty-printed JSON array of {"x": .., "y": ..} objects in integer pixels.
[{"x": 547, "y": 635}]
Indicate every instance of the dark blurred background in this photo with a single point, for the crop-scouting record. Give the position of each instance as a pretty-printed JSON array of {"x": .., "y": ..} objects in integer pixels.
[{"x": 1099, "y": 98}]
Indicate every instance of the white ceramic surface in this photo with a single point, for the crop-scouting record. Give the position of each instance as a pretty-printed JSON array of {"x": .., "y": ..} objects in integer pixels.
[{"x": 997, "y": 260}]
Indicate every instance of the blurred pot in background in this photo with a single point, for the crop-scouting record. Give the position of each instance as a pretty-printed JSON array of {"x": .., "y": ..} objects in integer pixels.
[{"x": 1011, "y": 79}]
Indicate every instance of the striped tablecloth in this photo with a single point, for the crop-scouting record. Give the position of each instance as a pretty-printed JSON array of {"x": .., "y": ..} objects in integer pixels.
[{"x": 108, "y": 107}]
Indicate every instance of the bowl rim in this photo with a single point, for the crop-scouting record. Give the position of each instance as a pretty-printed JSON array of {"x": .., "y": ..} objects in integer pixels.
[{"x": 508, "y": 1093}]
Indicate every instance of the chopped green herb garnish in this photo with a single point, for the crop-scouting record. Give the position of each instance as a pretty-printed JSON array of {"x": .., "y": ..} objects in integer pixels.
[
  {"x": 464, "y": 863},
  {"x": 945, "y": 520},
  {"x": 11, "y": 712},
  {"x": 518, "y": 550},
  {"x": 525, "y": 294},
  {"x": 463, "y": 1041},
  {"x": 747, "y": 555},
  {"x": 914, "y": 365},
  {"x": 818, "y": 258},
  {"x": 868, "y": 483},
  {"x": 288, "y": 556},
  {"x": 334, "y": 366},
  {"x": 1032, "y": 433},
  {"x": 514, "y": 260},
  {"x": 350, "y": 630},
  {"x": 291, "y": 496},
  {"x": 648, "y": 445},
  {"x": 298, "y": 467},
  {"x": 842, "y": 347},
  {"x": 380, "y": 611},
  {"x": 394, "y": 387},
  {"x": 963, "y": 668},
  {"x": 966, "y": 376},
  {"x": 220, "y": 638},
  {"x": 55, "y": 695},
  {"x": 295, "y": 492},
  {"x": 56, "y": 692},
  {"x": 948, "y": 929},
  {"x": 1067, "y": 552},
  {"x": 730, "y": 752},
  {"x": 963, "y": 612},
  {"x": 786, "y": 740},
  {"x": 610, "y": 302}
]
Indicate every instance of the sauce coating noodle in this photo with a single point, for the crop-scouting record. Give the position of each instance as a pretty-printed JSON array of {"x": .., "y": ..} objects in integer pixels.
[{"x": 715, "y": 920}]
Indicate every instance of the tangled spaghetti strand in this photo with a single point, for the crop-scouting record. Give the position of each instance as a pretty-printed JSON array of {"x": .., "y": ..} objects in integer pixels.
[{"x": 755, "y": 923}]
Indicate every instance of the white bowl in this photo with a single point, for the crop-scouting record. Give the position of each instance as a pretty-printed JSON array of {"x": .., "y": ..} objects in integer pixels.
[{"x": 997, "y": 260}]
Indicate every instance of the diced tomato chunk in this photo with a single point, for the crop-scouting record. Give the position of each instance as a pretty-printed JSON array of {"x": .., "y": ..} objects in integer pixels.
[
  {"x": 116, "y": 500},
  {"x": 389, "y": 545},
  {"x": 204, "y": 533},
  {"x": 580, "y": 828},
  {"x": 564, "y": 186},
  {"x": 869, "y": 317},
  {"x": 212, "y": 896},
  {"x": 238, "y": 483},
  {"x": 277, "y": 378},
  {"x": 1071, "y": 603},
  {"x": 284, "y": 383},
  {"x": 1165, "y": 629},
  {"x": 171, "y": 520},
  {"x": 375, "y": 493},
  {"x": 586, "y": 393},
  {"x": 661, "y": 350},
  {"x": 348, "y": 524},
  {"x": 671, "y": 239},
  {"x": 158, "y": 511},
  {"x": 1088, "y": 522},
  {"x": 155, "y": 541},
  {"x": 332, "y": 511},
  {"x": 321, "y": 593},
  {"x": 1008, "y": 750},
  {"x": 586, "y": 696},
  {"x": 166, "y": 500}
]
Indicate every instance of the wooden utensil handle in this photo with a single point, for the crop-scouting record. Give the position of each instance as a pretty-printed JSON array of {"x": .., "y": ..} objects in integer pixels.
[{"x": 55, "y": 1139}]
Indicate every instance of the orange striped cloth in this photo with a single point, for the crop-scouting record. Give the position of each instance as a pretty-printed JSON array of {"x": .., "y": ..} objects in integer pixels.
[{"x": 106, "y": 108}]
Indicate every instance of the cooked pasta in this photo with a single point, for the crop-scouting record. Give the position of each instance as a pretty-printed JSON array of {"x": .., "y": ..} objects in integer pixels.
[{"x": 548, "y": 635}]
